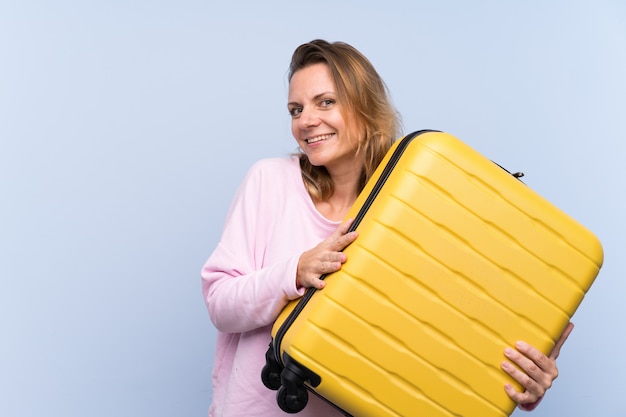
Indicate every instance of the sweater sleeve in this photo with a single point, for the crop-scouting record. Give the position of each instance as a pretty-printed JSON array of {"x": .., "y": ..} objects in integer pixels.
[{"x": 240, "y": 291}]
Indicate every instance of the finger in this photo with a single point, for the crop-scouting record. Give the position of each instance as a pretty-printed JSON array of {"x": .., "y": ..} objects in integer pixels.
[
  {"x": 530, "y": 359},
  {"x": 531, "y": 392},
  {"x": 317, "y": 283},
  {"x": 335, "y": 259},
  {"x": 525, "y": 378},
  {"x": 525, "y": 400},
  {"x": 533, "y": 370},
  {"x": 559, "y": 343},
  {"x": 520, "y": 397},
  {"x": 331, "y": 266},
  {"x": 325, "y": 268},
  {"x": 345, "y": 226},
  {"x": 339, "y": 243},
  {"x": 342, "y": 229}
]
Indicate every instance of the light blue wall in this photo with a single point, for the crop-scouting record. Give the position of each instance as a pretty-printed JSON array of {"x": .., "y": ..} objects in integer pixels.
[{"x": 125, "y": 128}]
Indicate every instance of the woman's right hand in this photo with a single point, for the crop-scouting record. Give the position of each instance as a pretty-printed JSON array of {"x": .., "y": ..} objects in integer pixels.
[{"x": 324, "y": 258}]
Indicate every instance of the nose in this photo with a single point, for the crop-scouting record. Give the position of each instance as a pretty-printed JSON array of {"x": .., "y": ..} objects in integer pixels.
[{"x": 308, "y": 118}]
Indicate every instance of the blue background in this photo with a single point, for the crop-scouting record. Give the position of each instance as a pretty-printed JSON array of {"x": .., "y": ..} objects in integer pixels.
[{"x": 126, "y": 126}]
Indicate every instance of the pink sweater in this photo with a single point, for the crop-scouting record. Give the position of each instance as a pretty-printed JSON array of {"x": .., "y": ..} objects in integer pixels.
[{"x": 251, "y": 276}]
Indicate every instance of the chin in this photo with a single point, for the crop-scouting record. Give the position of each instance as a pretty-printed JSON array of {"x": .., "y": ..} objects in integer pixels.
[
  {"x": 315, "y": 160},
  {"x": 315, "y": 163}
]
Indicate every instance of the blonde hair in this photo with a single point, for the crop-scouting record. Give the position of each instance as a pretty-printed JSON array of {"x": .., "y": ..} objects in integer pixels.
[{"x": 364, "y": 100}]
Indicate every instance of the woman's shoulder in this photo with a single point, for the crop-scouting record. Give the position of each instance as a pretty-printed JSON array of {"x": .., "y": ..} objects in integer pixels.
[
  {"x": 286, "y": 163},
  {"x": 272, "y": 179},
  {"x": 275, "y": 168}
]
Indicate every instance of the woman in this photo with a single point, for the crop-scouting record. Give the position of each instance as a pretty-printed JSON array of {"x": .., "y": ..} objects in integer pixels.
[{"x": 283, "y": 230}]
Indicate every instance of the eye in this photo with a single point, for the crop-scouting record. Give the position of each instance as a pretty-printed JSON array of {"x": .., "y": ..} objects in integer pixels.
[
  {"x": 295, "y": 111},
  {"x": 327, "y": 102}
]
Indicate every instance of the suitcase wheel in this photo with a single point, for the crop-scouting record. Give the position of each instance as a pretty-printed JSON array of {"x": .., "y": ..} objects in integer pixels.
[
  {"x": 271, "y": 376},
  {"x": 292, "y": 402}
]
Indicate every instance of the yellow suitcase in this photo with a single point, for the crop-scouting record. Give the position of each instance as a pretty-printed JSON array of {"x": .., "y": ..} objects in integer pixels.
[{"x": 456, "y": 259}]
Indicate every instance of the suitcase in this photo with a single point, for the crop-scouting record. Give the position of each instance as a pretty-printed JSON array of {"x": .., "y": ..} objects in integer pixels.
[{"x": 456, "y": 259}]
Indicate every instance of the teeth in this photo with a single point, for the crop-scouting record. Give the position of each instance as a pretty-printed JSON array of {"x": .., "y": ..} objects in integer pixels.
[{"x": 318, "y": 138}]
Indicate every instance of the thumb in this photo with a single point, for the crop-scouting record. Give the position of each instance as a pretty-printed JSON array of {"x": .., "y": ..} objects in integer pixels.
[{"x": 559, "y": 343}]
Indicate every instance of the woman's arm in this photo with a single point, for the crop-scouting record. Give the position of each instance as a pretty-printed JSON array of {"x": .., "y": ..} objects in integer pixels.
[
  {"x": 239, "y": 299},
  {"x": 242, "y": 289}
]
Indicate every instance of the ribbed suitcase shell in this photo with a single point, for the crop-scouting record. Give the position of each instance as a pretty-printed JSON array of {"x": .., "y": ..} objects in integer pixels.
[{"x": 456, "y": 259}]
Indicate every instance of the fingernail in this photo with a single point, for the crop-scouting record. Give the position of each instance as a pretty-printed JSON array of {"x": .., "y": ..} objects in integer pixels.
[
  {"x": 520, "y": 344},
  {"x": 508, "y": 351}
]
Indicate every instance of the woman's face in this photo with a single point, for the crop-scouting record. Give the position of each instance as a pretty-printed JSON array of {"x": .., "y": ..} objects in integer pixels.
[{"x": 317, "y": 123}]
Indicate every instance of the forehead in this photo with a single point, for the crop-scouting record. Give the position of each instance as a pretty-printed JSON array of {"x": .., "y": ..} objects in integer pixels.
[{"x": 311, "y": 81}]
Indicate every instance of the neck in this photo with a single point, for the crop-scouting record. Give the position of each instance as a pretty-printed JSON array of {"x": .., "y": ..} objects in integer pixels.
[{"x": 344, "y": 195}]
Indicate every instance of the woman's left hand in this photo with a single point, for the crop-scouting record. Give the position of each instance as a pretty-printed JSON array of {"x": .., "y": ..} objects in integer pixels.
[{"x": 534, "y": 371}]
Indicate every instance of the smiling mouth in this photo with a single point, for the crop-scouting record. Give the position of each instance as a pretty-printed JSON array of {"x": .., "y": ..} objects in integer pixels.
[{"x": 318, "y": 138}]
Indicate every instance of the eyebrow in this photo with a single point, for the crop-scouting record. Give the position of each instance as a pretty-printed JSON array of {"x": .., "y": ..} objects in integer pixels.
[{"x": 316, "y": 97}]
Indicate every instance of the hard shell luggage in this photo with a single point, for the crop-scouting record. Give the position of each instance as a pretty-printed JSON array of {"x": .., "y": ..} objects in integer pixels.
[{"x": 456, "y": 259}]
